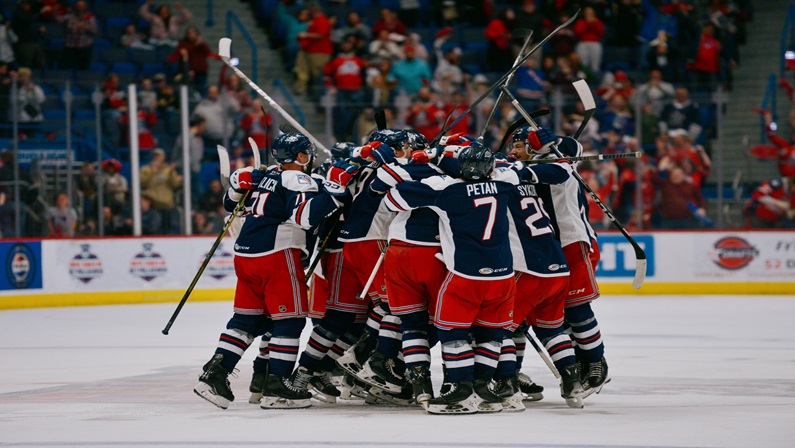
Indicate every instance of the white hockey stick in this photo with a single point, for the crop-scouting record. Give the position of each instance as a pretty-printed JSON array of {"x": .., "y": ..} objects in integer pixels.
[
  {"x": 257, "y": 157},
  {"x": 372, "y": 274},
  {"x": 223, "y": 159},
  {"x": 542, "y": 353},
  {"x": 225, "y": 52}
]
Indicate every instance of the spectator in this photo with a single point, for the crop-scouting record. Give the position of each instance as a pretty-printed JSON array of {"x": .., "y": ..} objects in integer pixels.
[
  {"x": 114, "y": 185},
  {"x": 384, "y": 48},
  {"x": 131, "y": 38},
  {"x": 664, "y": 57},
  {"x": 528, "y": 17},
  {"x": 219, "y": 111},
  {"x": 166, "y": 96},
  {"x": 25, "y": 25},
  {"x": 772, "y": 204},
  {"x": 294, "y": 25},
  {"x": 448, "y": 77},
  {"x": 147, "y": 96},
  {"x": 650, "y": 125},
  {"x": 531, "y": 85},
  {"x": 354, "y": 27},
  {"x": 680, "y": 200},
  {"x": 410, "y": 74},
  {"x": 81, "y": 27},
  {"x": 345, "y": 77},
  {"x": 454, "y": 108},
  {"x": 234, "y": 88},
  {"x": 31, "y": 98},
  {"x": 562, "y": 43},
  {"x": 499, "y": 54},
  {"x": 589, "y": 31},
  {"x": 191, "y": 55},
  {"x": 87, "y": 186},
  {"x": 621, "y": 86},
  {"x": 656, "y": 91},
  {"x": 377, "y": 81},
  {"x": 159, "y": 181},
  {"x": 151, "y": 220},
  {"x": 196, "y": 128},
  {"x": 706, "y": 65},
  {"x": 7, "y": 40},
  {"x": 681, "y": 152},
  {"x": 61, "y": 219},
  {"x": 626, "y": 23},
  {"x": 681, "y": 113},
  {"x": 426, "y": 115},
  {"x": 163, "y": 26},
  {"x": 213, "y": 198},
  {"x": 786, "y": 151},
  {"x": 147, "y": 118},
  {"x": 617, "y": 117},
  {"x": 316, "y": 50},
  {"x": 389, "y": 21},
  {"x": 201, "y": 226},
  {"x": 420, "y": 52}
]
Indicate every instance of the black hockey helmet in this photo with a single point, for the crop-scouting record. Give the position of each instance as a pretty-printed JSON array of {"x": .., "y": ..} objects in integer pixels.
[
  {"x": 392, "y": 137},
  {"x": 521, "y": 134},
  {"x": 417, "y": 141},
  {"x": 341, "y": 150},
  {"x": 476, "y": 162},
  {"x": 286, "y": 147}
]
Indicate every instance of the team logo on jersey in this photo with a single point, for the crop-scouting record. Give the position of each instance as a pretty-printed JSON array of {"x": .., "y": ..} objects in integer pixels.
[
  {"x": 304, "y": 179},
  {"x": 291, "y": 138},
  {"x": 85, "y": 266},
  {"x": 734, "y": 253},
  {"x": 20, "y": 266},
  {"x": 221, "y": 264},
  {"x": 486, "y": 271},
  {"x": 148, "y": 264},
  {"x": 554, "y": 267}
]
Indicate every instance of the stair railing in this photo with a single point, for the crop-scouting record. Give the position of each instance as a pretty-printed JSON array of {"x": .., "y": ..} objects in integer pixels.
[
  {"x": 282, "y": 89},
  {"x": 787, "y": 41},
  {"x": 233, "y": 19},
  {"x": 768, "y": 103}
]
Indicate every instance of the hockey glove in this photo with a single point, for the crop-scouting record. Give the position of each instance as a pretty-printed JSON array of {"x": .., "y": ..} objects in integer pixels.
[
  {"x": 374, "y": 152},
  {"x": 430, "y": 155},
  {"x": 338, "y": 177},
  {"x": 541, "y": 139},
  {"x": 460, "y": 139},
  {"x": 246, "y": 179}
]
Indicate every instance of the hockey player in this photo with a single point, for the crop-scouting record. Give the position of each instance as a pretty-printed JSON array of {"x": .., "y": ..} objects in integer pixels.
[
  {"x": 268, "y": 266},
  {"x": 477, "y": 293},
  {"x": 567, "y": 206}
]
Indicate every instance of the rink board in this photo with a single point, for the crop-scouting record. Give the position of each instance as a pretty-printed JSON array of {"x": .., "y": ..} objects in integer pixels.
[{"x": 41, "y": 273}]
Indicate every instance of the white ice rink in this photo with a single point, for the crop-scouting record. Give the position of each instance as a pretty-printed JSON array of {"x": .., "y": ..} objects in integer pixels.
[{"x": 687, "y": 371}]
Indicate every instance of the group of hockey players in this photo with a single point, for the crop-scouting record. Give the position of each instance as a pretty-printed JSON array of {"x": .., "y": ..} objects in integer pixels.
[{"x": 451, "y": 245}]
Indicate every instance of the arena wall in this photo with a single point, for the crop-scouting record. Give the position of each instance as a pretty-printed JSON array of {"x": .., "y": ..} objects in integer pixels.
[{"x": 100, "y": 271}]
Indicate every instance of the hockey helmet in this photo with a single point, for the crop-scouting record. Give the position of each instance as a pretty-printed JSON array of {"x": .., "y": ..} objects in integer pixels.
[
  {"x": 521, "y": 134},
  {"x": 476, "y": 162},
  {"x": 395, "y": 138},
  {"x": 286, "y": 147},
  {"x": 341, "y": 150},
  {"x": 417, "y": 141}
]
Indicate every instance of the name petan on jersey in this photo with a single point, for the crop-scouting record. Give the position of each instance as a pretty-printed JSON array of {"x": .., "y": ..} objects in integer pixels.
[
  {"x": 419, "y": 226},
  {"x": 282, "y": 207}
]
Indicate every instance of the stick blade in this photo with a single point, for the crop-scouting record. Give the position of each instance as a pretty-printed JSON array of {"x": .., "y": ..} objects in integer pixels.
[
  {"x": 584, "y": 92},
  {"x": 640, "y": 273},
  {"x": 380, "y": 119},
  {"x": 223, "y": 160},
  {"x": 287, "y": 128},
  {"x": 255, "y": 150},
  {"x": 225, "y": 48}
]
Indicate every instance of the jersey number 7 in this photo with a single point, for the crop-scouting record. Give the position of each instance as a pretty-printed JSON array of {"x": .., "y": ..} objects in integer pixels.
[{"x": 491, "y": 201}]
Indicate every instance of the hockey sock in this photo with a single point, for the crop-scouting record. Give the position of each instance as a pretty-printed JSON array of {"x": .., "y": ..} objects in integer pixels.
[
  {"x": 457, "y": 354},
  {"x": 520, "y": 341},
  {"x": 558, "y": 345},
  {"x": 488, "y": 342},
  {"x": 345, "y": 341},
  {"x": 506, "y": 367},
  {"x": 261, "y": 361},
  {"x": 372, "y": 326},
  {"x": 390, "y": 336},
  {"x": 323, "y": 337},
  {"x": 415, "y": 344},
  {"x": 283, "y": 346},
  {"x": 585, "y": 332},
  {"x": 232, "y": 344}
]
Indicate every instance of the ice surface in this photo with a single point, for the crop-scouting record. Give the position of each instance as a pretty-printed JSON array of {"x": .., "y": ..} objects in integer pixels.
[{"x": 686, "y": 372}]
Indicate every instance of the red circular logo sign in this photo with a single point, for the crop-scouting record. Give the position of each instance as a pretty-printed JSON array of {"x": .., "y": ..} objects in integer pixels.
[{"x": 734, "y": 253}]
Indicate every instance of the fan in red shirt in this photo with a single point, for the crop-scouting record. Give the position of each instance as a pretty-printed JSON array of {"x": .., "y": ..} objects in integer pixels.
[
  {"x": 772, "y": 204},
  {"x": 191, "y": 54},
  {"x": 316, "y": 49},
  {"x": 706, "y": 66},
  {"x": 425, "y": 115},
  {"x": 390, "y": 22},
  {"x": 499, "y": 55},
  {"x": 786, "y": 150},
  {"x": 257, "y": 125},
  {"x": 345, "y": 76},
  {"x": 590, "y": 31}
]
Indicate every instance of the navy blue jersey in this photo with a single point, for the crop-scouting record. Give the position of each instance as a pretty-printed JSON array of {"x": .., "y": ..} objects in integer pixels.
[
  {"x": 419, "y": 226},
  {"x": 285, "y": 204},
  {"x": 366, "y": 218},
  {"x": 533, "y": 243}
]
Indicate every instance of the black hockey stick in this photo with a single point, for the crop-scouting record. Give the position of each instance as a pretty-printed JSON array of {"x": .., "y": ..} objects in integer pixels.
[
  {"x": 620, "y": 155},
  {"x": 502, "y": 79},
  {"x": 207, "y": 258},
  {"x": 640, "y": 255},
  {"x": 519, "y": 123},
  {"x": 517, "y": 33},
  {"x": 380, "y": 119}
]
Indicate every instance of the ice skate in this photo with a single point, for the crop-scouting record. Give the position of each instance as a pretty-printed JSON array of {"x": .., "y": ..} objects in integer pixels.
[
  {"x": 352, "y": 391},
  {"x": 594, "y": 376},
  {"x": 512, "y": 396},
  {"x": 488, "y": 401},
  {"x": 420, "y": 379},
  {"x": 214, "y": 383},
  {"x": 351, "y": 361},
  {"x": 323, "y": 389},
  {"x": 404, "y": 398},
  {"x": 460, "y": 399},
  {"x": 287, "y": 393},
  {"x": 381, "y": 372},
  {"x": 531, "y": 390},
  {"x": 257, "y": 385},
  {"x": 570, "y": 386}
]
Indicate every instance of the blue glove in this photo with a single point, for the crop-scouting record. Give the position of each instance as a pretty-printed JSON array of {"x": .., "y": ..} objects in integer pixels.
[{"x": 539, "y": 140}]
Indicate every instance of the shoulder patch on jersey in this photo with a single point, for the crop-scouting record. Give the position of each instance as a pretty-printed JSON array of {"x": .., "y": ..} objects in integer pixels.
[{"x": 298, "y": 181}]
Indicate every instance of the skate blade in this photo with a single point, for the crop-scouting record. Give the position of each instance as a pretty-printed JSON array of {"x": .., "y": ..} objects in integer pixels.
[
  {"x": 323, "y": 398},
  {"x": 368, "y": 376},
  {"x": 349, "y": 364},
  {"x": 462, "y": 408},
  {"x": 489, "y": 408},
  {"x": 255, "y": 397},
  {"x": 423, "y": 399},
  {"x": 591, "y": 390},
  {"x": 205, "y": 391},
  {"x": 284, "y": 403},
  {"x": 575, "y": 402},
  {"x": 351, "y": 401},
  {"x": 384, "y": 396},
  {"x": 533, "y": 397},
  {"x": 513, "y": 403}
]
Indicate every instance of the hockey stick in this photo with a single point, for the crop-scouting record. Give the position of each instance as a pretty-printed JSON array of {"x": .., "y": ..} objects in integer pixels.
[
  {"x": 224, "y": 51},
  {"x": 584, "y": 92},
  {"x": 502, "y": 79},
  {"x": 528, "y": 35},
  {"x": 380, "y": 119},
  {"x": 257, "y": 156},
  {"x": 542, "y": 353},
  {"x": 206, "y": 261},
  {"x": 621, "y": 155},
  {"x": 224, "y": 167},
  {"x": 519, "y": 123},
  {"x": 372, "y": 274},
  {"x": 640, "y": 255}
]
